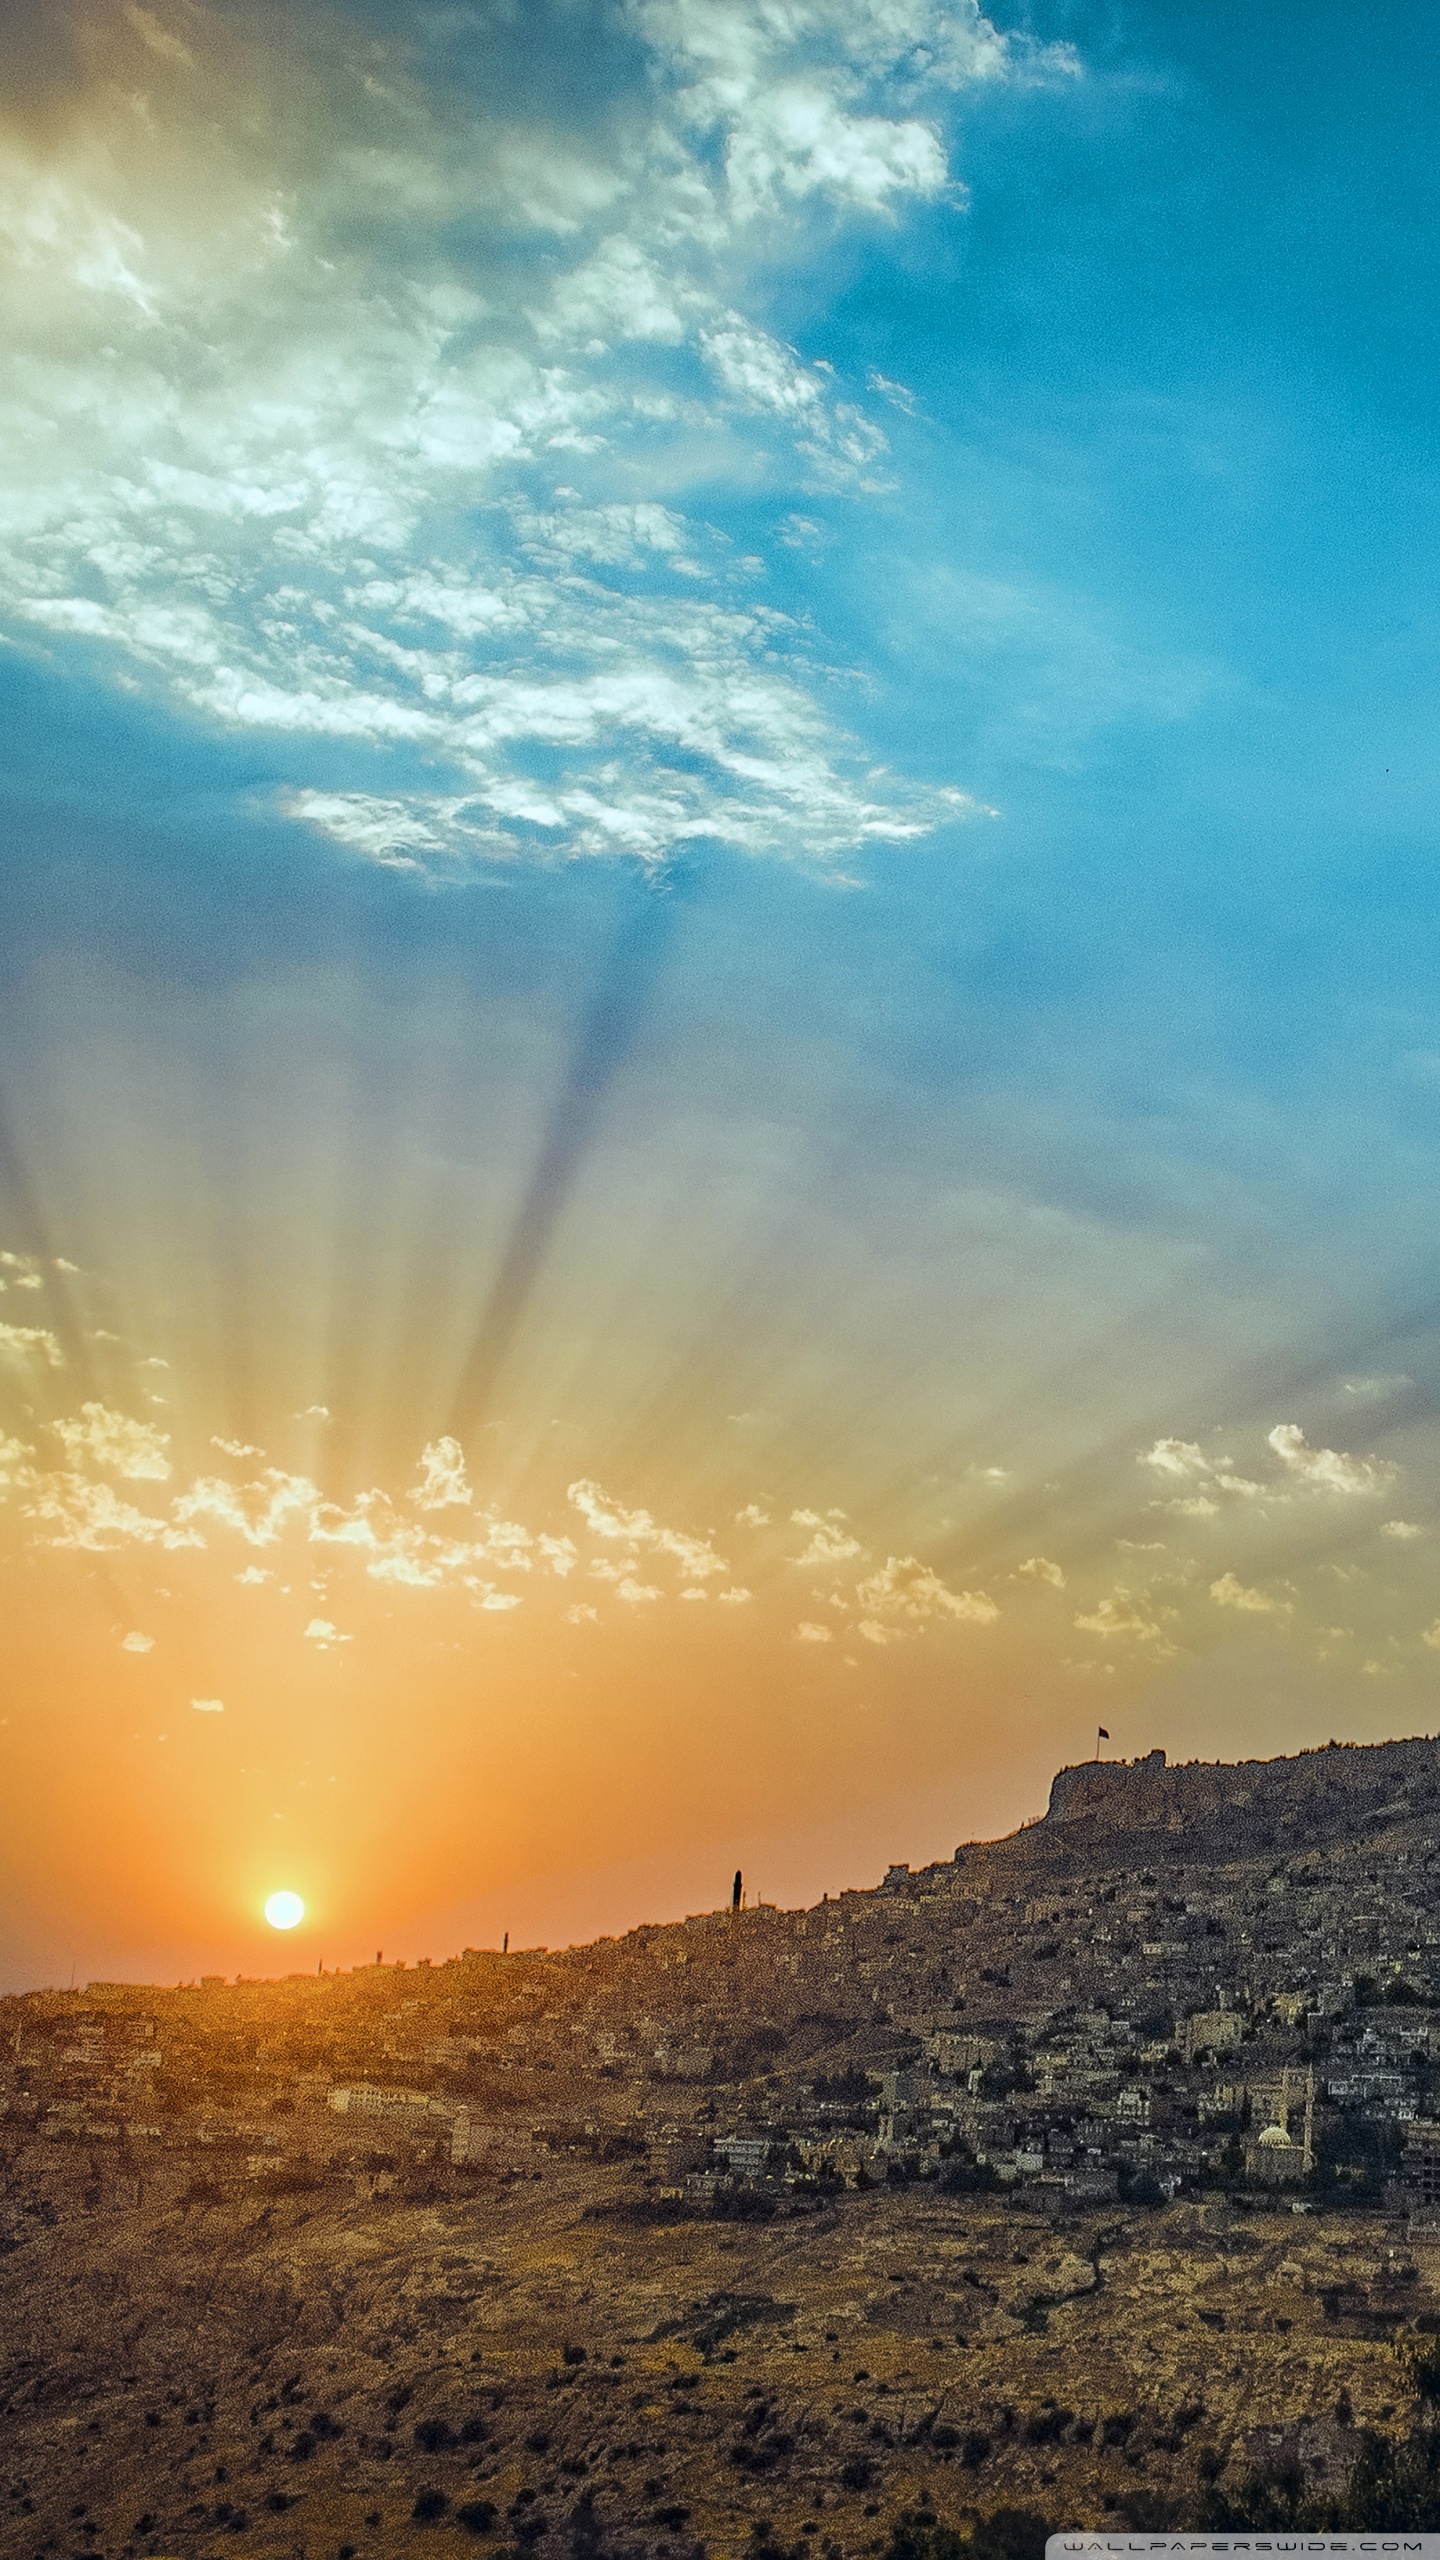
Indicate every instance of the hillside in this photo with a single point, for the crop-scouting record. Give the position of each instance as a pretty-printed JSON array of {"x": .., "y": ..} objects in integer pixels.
[{"x": 1079, "y": 2172}]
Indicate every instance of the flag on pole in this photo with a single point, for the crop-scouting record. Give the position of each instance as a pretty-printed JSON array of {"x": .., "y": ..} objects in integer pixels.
[{"x": 1101, "y": 1732}]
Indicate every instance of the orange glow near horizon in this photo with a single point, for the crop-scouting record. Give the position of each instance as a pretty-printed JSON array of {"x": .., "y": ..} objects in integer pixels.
[{"x": 690, "y": 1170}]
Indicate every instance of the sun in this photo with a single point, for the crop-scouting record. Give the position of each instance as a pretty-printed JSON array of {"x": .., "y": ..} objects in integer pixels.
[{"x": 284, "y": 1910}]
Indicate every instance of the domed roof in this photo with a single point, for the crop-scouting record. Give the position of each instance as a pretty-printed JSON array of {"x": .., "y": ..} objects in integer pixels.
[{"x": 1275, "y": 2138}]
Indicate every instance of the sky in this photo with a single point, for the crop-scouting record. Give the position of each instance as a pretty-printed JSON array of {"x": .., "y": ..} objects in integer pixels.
[{"x": 719, "y": 1047}]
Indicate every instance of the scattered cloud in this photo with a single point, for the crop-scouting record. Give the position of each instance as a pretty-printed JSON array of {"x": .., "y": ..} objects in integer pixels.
[
  {"x": 1118, "y": 1615},
  {"x": 752, "y": 1517},
  {"x": 208, "y": 1706},
  {"x": 1176, "y": 1458},
  {"x": 259, "y": 1512},
  {"x": 321, "y": 1632},
  {"x": 75, "y": 1511},
  {"x": 1040, "y": 1569},
  {"x": 137, "y": 1643},
  {"x": 1230, "y": 1593},
  {"x": 235, "y": 1448},
  {"x": 696, "y": 1558},
  {"x": 734, "y": 1598},
  {"x": 809, "y": 1632},
  {"x": 908, "y": 1590},
  {"x": 115, "y": 1442},
  {"x": 831, "y": 1544},
  {"x": 1401, "y": 1530},
  {"x": 438, "y": 311},
  {"x": 443, "y": 1480},
  {"x": 23, "y": 1344},
  {"x": 1329, "y": 1470}
]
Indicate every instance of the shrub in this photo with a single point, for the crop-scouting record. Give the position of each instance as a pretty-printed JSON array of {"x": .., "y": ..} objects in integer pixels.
[
  {"x": 1012, "y": 2533},
  {"x": 1048, "y": 2426},
  {"x": 430, "y": 2506},
  {"x": 477, "y": 2515}
]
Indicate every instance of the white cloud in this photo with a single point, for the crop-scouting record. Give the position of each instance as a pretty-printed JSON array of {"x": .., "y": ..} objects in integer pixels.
[
  {"x": 636, "y": 1593},
  {"x": 208, "y": 1706},
  {"x": 808, "y": 1632},
  {"x": 1329, "y": 1470},
  {"x": 734, "y": 1598},
  {"x": 235, "y": 1448},
  {"x": 638, "y": 1530},
  {"x": 115, "y": 1442},
  {"x": 135, "y": 1642},
  {"x": 1431, "y": 1636},
  {"x": 23, "y": 1343},
  {"x": 77, "y": 1512},
  {"x": 832, "y": 1543},
  {"x": 1230, "y": 1593},
  {"x": 259, "y": 1512},
  {"x": 581, "y": 1613},
  {"x": 752, "y": 1517},
  {"x": 1117, "y": 1615},
  {"x": 906, "y": 1589},
  {"x": 322, "y": 1633},
  {"x": 15, "y": 1469},
  {"x": 443, "y": 1480},
  {"x": 1401, "y": 1530},
  {"x": 1040, "y": 1569},
  {"x": 432, "y": 310},
  {"x": 1176, "y": 1458}
]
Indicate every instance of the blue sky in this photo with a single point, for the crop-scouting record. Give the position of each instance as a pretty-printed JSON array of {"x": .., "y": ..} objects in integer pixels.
[{"x": 719, "y": 741}]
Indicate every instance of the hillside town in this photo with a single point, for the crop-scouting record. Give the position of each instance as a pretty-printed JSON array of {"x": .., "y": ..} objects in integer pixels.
[
  {"x": 1098, "y": 2007},
  {"x": 1133, "y": 2114}
]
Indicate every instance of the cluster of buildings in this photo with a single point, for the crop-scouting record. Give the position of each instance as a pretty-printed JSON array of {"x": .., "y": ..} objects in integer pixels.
[{"x": 1179, "y": 1978}]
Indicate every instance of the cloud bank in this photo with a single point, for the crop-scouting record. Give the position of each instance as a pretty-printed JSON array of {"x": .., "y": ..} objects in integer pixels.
[{"x": 339, "y": 347}]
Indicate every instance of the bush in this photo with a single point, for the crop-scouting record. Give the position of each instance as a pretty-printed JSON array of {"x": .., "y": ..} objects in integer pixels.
[
  {"x": 1012, "y": 2533},
  {"x": 430, "y": 2506},
  {"x": 1047, "y": 2426},
  {"x": 434, "y": 2436},
  {"x": 477, "y": 2515}
]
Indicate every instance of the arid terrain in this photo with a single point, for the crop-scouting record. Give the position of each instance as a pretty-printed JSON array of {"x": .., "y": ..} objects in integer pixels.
[
  {"x": 565, "y": 2375},
  {"x": 1088, "y": 2175}
]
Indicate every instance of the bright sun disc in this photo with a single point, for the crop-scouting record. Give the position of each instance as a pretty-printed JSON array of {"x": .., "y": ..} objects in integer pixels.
[{"x": 283, "y": 1910}]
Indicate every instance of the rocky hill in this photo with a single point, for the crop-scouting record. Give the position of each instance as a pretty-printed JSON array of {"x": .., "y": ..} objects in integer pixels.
[{"x": 1090, "y": 2172}]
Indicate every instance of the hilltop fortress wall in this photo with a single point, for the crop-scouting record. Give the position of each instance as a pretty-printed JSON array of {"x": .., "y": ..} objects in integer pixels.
[{"x": 1148, "y": 1795}]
